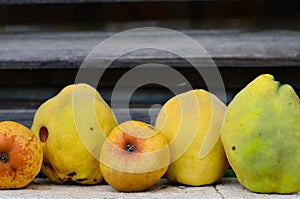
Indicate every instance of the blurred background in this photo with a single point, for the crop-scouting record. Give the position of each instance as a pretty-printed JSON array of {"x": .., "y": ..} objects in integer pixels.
[
  {"x": 43, "y": 43},
  {"x": 120, "y": 15}
]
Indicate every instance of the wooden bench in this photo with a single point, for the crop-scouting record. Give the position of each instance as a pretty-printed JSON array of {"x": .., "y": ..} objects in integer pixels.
[{"x": 44, "y": 42}]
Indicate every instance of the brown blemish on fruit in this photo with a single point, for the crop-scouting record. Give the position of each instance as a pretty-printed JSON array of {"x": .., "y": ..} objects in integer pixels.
[
  {"x": 233, "y": 148},
  {"x": 151, "y": 127},
  {"x": 13, "y": 169},
  {"x": 95, "y": 180},
  {"x": 43, "y": 134},
  {"x": 72, "y": 174},
  {"x": 81, "y": 179},
  {"x": 130, "y": 144},
  {"x": 4, "y": 157}
]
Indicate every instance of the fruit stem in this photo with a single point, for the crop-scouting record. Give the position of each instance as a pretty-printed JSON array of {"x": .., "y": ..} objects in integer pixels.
[
  {"x": 130, "y": 148},
  {"x": 4, "y": 157}
]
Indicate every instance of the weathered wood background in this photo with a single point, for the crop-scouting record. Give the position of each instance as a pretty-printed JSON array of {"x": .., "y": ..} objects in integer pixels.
[{"x": 44, "y": 42}]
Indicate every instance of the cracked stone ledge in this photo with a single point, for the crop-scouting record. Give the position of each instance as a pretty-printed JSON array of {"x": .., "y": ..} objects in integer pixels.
[{"x": 226, "y": 188}]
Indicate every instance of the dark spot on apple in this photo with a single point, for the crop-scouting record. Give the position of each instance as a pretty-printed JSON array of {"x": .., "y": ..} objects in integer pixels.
[
  {"x": 4, "y": 157},
  {"x": 91, "y": 128},
  {"x": 13, "y": 169},
  {"x": 130, "y": 148},
  {"x": 81, "y": 179},
  {"x": 95, "y": 180},
  {"x": 72, "y": 174},
  {"x": 233, "y": 148},
  {"x": 43, "y": 134}
]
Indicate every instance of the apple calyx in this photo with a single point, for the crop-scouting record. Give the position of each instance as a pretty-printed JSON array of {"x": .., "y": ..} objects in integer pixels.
[
  {"x": 4, "y": 157},
  {"x": 130, "y": 148}
]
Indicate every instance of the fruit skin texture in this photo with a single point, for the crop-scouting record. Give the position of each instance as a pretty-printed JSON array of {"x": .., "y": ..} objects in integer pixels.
[
  {"x": 185, "y": 120},
  {"x": 21, "y": 155},
  {"x": 72, "y": 127},
  {"x": 139, "y": 169},
  {"x": 261, "y": 136}
]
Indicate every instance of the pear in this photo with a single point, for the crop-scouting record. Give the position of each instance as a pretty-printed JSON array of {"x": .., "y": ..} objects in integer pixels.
[
  {"x": 72, "y": 127},
  {"x": 192, "y": 123},
  {"x": 261, "y": 136}
]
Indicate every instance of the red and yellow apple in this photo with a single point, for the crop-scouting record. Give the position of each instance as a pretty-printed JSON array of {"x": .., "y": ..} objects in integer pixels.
[
  {"x": 134, "y": 156},
  {"x": 21, "y": 155}
]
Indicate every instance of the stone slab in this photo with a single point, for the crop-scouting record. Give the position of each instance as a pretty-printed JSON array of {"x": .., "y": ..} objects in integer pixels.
[
  {"x": 226, "y": 188},
  {"x": 230, "y": 188}
]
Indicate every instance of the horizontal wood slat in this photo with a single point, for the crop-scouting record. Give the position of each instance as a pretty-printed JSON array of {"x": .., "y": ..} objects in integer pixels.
[
  {"x": 25, "y": 116},
  {"x": 228, "y": 48},
  {"x": 12, "y": 2}
]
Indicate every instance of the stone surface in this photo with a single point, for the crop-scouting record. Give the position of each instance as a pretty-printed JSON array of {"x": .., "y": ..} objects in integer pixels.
[
  {"x": 230, "y": 188},
  {"x": 226, "y": 188},
  {"x": 42, "y": 188}
]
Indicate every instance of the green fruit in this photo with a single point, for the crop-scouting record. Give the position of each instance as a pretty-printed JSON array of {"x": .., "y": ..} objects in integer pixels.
[
  {"x": 72, "y": 127},
  {"x": 261, "y": 136}
]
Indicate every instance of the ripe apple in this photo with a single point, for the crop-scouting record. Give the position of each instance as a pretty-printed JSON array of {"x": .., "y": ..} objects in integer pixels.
[
  {"x": 21, "y": 155},
  {"x": 134, "y": 156}
]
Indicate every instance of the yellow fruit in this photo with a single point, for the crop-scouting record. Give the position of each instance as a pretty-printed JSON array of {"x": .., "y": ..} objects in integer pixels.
[
  {"x": 21, "y": 155},
  {"x": 134, "y": 157},
  {"x": 72, "y": 127},
  {"x": 261, "y": 136},
  {"x": 192, "y": 123}
]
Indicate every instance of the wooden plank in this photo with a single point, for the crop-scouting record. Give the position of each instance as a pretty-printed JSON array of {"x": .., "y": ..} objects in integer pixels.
[
  {"x": 228, "y": 48},
  {"x": 21, "y": 2},
  {"x": 25, "y": 116},
  {"x": 18, "y": 2}
]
